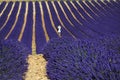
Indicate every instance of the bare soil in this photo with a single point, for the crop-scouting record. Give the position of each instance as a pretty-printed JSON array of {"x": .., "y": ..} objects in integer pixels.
[{"x": 36, "y": 68}]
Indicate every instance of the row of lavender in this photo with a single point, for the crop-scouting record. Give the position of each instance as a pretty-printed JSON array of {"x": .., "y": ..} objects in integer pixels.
[
  {"x": 67, "y": 58},
  {"x": 99, "y": 18},
  {"x": 95, "y": 59},
  {"x": 13, "y": 56}
]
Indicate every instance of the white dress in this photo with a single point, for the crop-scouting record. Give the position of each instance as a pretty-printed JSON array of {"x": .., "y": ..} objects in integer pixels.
[{"x": 59, "y": 29}]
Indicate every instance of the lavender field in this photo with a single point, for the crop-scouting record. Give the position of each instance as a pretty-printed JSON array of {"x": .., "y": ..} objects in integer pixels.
[
  {"x": 35, "y": 23},
  {"x": 87, "y": 49}
]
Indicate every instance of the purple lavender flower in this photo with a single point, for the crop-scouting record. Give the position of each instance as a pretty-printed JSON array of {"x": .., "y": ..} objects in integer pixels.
[
  {"x": 13, "y": 64},
  {"x": 84, "y": 60}
]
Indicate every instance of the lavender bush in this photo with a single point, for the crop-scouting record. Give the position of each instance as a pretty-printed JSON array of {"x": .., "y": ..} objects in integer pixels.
[
  {"x": 53, "y": 44},
  {"x": 111, "y": 42},
  {"x": 13, "y": 57},
  {"x": 84, "y": 60}
]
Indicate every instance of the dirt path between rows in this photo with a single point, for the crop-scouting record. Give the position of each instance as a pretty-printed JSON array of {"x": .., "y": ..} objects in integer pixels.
[{"x": 36, "y": 68}]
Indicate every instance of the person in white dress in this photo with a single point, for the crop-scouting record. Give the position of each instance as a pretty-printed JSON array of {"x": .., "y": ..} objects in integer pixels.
[{"x": 59, "y": 30}]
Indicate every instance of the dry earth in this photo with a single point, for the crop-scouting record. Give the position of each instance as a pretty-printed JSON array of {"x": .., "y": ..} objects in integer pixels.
[{"x": 36, "y": 68}]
